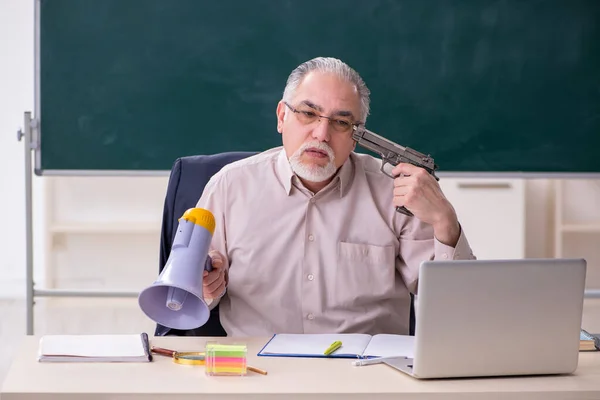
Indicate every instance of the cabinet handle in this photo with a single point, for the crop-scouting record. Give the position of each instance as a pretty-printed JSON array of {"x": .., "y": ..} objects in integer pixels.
[{"x": 484, "y": 185}]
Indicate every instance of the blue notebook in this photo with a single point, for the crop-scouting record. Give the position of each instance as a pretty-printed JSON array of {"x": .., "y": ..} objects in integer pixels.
[{"x": 354, "y": 345}]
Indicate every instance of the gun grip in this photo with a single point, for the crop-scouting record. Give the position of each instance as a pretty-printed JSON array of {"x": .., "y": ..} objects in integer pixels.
[{"x": 404, "y": 210}]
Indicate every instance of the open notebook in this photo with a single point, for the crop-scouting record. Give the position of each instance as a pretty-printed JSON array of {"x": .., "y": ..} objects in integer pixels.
[
  {"x": 354, "y": 345},
  {"x": 95, "y": 348}
]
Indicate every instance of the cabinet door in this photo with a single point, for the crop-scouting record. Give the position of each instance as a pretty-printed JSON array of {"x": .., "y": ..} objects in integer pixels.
[{"x": 492, "y": 214}]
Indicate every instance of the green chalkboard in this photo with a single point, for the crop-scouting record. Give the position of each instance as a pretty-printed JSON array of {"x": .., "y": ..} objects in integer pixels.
[{"x": 483, "y": 86}]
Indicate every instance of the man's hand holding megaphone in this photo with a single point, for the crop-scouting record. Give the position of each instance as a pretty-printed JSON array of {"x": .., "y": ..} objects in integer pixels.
[
  {"x": 214, "y": 282},
  {"x": 192, "y": 275}
]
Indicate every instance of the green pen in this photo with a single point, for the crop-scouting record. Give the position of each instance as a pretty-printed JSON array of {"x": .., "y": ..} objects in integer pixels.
[{"x": 334, "y": 346}]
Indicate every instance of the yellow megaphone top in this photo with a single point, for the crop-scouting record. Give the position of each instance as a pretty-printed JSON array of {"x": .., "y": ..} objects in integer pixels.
[{"x": 202, "y": 217}]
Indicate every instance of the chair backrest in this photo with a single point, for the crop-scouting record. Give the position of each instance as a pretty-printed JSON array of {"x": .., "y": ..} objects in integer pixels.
[{"x": 188, "y": 178}]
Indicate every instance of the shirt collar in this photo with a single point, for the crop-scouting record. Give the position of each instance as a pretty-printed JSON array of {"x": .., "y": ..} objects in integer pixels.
[
  {"x": 344, "y": 175},
  {"x": 284, "y": 170}
]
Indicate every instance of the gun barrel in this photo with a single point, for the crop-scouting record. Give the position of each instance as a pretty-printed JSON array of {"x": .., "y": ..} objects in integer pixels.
[{"x": 390, "y": 151}]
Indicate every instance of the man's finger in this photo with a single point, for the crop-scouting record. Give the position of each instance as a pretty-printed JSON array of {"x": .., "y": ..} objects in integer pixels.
[
  {"x": 211, "y": 277},
  {"x": 212, "y": 287},
  {"x": 402, "y": 181},
  {"x": 405, "y": 169},
  {"x": 398, "y": 201},
  {"x": 216, "y": 259},
  {"x": 401, "y": 190},
  {"x": 216, "y": 287},
  {"x": 216, "y": 293}
]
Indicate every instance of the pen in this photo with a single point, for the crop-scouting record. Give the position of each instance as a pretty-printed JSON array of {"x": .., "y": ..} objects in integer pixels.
[
  {"x": 334, "y": 346},
  {"x": 371, "y": 361}
]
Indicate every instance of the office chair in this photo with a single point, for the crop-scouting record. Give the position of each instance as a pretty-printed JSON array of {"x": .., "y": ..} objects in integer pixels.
[
  {"x": 188, "y": 177},
  {"x": 187, "y": 180}
]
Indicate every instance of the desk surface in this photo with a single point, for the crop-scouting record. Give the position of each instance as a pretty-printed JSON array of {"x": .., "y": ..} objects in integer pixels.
[{"x": 294, "y": 377}]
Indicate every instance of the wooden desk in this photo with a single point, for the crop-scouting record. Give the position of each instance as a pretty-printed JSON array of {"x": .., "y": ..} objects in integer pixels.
[{"x": 293, "y": 378}]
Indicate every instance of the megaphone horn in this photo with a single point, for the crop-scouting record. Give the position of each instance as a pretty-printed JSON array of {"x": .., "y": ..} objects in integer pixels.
[{"x": 175, "y": 299}]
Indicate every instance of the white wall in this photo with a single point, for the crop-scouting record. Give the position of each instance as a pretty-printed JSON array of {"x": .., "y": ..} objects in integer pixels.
[{"x": 16, "y": 96}]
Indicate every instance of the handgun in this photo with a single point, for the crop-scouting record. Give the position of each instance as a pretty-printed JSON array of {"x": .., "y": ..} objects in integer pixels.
[{"x": 393, "y": 154}]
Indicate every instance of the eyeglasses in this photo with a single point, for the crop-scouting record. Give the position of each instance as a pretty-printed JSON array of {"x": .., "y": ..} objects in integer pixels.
[{"x": 308, "y": 116}]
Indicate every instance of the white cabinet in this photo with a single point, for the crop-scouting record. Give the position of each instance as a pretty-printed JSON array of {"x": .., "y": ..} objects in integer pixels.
[
  {"x": 492, "y": 214},
  {"x": 577, "y": 224},
  {"x": 103, "y": 233}
]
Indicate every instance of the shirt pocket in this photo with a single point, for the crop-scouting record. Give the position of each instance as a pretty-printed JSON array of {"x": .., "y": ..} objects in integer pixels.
[{"x": 364, "y": 274}]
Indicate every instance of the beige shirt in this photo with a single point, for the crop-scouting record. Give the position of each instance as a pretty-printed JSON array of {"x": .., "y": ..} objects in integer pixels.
[{"x": 341, "y": 260}]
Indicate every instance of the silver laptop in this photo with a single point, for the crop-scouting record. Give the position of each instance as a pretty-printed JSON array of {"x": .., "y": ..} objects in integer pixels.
[{"x": 497, "y": 318}]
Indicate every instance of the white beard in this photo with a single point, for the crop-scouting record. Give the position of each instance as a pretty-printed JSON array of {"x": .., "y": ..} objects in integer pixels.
[{"x": 312, "y": 172}]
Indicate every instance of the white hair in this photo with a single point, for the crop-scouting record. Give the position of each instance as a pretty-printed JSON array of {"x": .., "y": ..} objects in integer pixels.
[{"x": 331, "y": 65}]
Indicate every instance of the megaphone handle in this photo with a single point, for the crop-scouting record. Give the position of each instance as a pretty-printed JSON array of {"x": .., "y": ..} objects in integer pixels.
[{"x": 208, "y": 264}]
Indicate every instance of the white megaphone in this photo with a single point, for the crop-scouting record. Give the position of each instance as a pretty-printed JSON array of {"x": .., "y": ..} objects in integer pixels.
[{"x": 175, "y": 299}]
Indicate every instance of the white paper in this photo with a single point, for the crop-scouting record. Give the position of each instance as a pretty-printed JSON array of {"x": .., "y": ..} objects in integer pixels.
[
  {"x": 110, "y": 347},
  {"x": 391, "y": 346}
]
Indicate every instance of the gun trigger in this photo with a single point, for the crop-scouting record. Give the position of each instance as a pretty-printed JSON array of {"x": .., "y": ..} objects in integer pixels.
[{"x": 383, "y": 164}]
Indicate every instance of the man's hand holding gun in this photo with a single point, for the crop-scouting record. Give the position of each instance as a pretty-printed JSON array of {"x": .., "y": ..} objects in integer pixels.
[{"x": 416, "y": 189}]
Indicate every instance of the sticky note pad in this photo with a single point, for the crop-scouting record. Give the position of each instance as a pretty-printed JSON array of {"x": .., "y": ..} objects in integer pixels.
[{"x": 225, "y": 359}]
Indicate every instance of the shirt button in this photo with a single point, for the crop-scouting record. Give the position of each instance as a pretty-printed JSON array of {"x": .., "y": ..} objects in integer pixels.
[
  {"x": 312, "y": 201},
  {"x": 311, "y": 237},
  {"x": 310, "y": 277},
  {"x": 444, "y": 256},
  {"x": 310, "y": 316}
]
